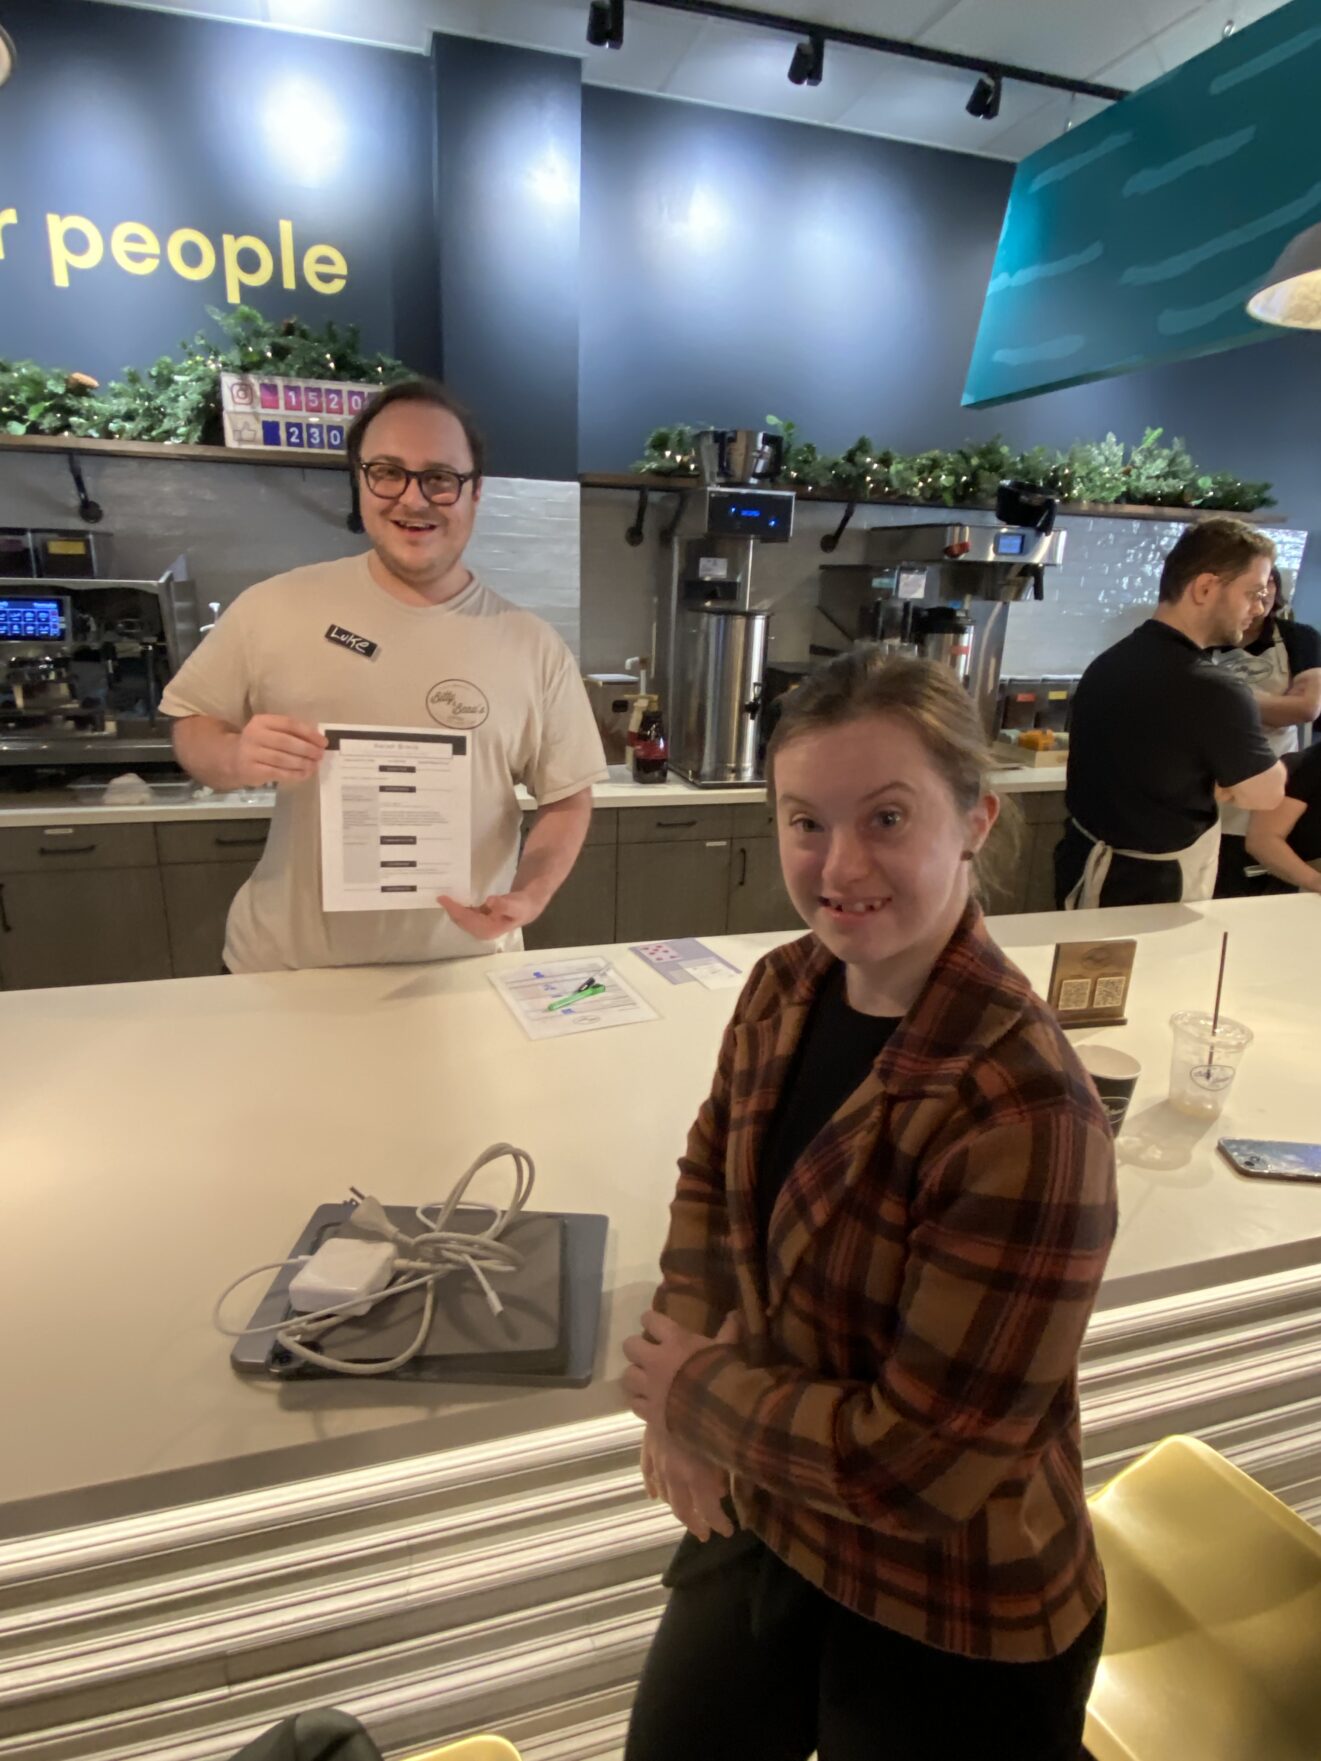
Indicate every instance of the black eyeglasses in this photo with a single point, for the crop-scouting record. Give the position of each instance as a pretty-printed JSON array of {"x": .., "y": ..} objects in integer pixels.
[{"x": 439, "y": 485}]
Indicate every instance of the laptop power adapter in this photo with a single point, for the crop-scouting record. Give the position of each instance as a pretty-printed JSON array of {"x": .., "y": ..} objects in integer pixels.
[{"x": 342, "y": 1271}]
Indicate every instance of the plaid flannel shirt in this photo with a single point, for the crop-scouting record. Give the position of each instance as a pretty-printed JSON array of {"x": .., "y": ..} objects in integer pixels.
[{"x": 900, "y": 1419}]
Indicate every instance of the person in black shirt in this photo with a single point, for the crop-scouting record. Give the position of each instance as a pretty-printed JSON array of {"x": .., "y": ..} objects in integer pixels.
[
  {"x": 1159, "y": 737},
  {"x": 1280, "y": 663},
  {"x": 1287, "y": 840}
]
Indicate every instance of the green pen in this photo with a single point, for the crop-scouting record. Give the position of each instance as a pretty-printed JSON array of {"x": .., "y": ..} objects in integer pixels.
[{"x": 590, "y": 989}]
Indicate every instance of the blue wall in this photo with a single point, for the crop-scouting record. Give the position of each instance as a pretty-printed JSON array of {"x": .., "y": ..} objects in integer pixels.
[
  {"x": 120, "y": 115},
  {"x": 735, "y": 267},
  {"x": 730, "y": 266},
  {"x": 507, "y": 189}
]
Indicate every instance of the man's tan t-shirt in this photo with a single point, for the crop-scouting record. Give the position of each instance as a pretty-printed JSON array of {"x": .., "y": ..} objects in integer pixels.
[{"x": 476, "y": 663}]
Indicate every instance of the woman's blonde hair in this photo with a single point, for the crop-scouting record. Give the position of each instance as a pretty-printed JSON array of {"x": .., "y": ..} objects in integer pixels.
[{"x": 867, "y": 681}]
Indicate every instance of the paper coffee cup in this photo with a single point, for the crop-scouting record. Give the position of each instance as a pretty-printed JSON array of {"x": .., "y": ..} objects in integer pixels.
[{"x": 1114, "y": 1075}]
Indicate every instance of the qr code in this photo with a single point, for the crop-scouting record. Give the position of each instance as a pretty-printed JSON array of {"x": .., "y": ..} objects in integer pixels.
[
  {"x": 1110, "y": 993},
  {"x": 1075, "y": 993}
]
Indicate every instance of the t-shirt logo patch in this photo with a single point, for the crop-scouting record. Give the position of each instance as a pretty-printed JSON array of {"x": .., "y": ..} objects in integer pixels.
[
  {"x": 457, "y": 703},
  {"x": 354, "y": 644}
]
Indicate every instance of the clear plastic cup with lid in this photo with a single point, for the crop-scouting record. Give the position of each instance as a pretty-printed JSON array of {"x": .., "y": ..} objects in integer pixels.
[{"x": 1203, "y": 1061}]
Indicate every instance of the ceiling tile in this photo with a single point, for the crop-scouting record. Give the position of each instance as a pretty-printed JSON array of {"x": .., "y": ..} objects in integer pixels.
[
  {"x": 1069, "y": 37},
  {"x": 245, "y": 11},
  {"x": 1046, "y": 123},
  {"x": 1186, "y": 38},
  {"x": 905, "y": 19},
  {"x": 917, "y": 101},
  {"x": 401, "y": 24},
  {"x": 657, "y": 45},
  {"x": 1119, "y": 42},
  {"x": 748, "y": 69}
]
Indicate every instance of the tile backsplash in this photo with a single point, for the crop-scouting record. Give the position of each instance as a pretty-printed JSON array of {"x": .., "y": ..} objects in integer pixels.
[
  {"x": 238, "y": 523},
  {"x": 1106, "y": 585},
  {"x": 562, "y": 552}
]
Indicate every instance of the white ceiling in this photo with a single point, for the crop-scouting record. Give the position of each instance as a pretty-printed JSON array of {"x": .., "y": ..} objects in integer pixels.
[{"x": 1122, "y": 43}]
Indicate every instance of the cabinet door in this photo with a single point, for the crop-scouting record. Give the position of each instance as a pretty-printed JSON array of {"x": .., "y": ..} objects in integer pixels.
[
  {"x": 198, "y": 896},
  {"x": 76, "y": 848},
  {"x": 757, "y": 899},
  {"x": 92, "y": 927},
  {"x": 212, "y": 840},
  {"x": 582, "y": 913},
  {"x": 1002, "y": 866},
  {"x": 678, "y": 889},
  {"x": 1017, "y": 866},
  {"x": 680, "y": 824},
  {"x": 1046, "y": 830}
]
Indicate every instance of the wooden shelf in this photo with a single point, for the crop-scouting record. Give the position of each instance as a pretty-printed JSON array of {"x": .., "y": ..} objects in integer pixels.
[
  {"x": 155, "y": 449},
  {"x": 231, "y": 455},
  {"x": 1107, "y": 510}
]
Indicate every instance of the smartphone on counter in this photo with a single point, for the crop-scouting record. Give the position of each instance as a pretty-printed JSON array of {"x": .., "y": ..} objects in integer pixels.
[{"x": 1265, "y": 1158}]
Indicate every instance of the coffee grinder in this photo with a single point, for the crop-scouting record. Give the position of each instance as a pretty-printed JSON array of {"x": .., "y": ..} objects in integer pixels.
[{"x": 710, "y": 637}]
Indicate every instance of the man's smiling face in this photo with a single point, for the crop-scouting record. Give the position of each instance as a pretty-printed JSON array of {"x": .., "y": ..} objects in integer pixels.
[{"x": 419, "y": 543}]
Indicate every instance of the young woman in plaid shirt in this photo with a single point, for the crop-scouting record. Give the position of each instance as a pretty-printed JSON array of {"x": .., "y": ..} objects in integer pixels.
[{"x": 859, "y": 1373}]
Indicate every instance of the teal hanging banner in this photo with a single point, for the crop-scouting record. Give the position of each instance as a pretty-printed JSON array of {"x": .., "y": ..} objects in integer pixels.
[{"x": 1137, "y": 237}]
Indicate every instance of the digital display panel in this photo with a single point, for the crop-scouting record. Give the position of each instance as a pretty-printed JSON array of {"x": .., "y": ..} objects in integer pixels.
[
  {"x": 767, "y": 514},
  {"x": 1010, "y": 543},
  {"x": 33, "y": 620}
]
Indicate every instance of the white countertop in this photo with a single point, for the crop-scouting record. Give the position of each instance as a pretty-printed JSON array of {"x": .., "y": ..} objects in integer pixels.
[
  {"x": 159, "y": 1139},
  {"x": 58, "y": 807}
]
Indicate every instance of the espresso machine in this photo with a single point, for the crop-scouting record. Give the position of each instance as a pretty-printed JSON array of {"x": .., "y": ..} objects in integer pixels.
[
  {"x": 711, "y": 637},
  {"x": 84, "y": 661},
  {"x": 944, "y": 591}
]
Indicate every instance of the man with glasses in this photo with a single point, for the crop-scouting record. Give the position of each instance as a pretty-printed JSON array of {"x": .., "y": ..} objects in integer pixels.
[{"x": 403, "y": 636}]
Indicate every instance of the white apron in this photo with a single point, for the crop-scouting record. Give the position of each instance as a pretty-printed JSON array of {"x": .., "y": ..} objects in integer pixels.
[
  {"x": 1197, "y": 864},
  {"x": 1270, "y": 673}
]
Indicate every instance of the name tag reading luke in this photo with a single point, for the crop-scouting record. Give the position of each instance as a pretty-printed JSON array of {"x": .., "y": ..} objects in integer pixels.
[
  {"x": 354, "y": 644},
  {"x": 1089, "y": 982}
]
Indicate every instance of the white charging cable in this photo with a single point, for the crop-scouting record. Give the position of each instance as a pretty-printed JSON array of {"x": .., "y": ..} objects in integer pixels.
[{"x": 421, "y": 1261}]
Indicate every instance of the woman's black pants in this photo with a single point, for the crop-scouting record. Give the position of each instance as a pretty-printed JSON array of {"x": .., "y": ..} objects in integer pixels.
[{"x": 752, "y": 1663}]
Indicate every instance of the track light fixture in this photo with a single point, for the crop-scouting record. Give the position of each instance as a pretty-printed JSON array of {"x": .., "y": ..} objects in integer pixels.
[
  {"x": 985, "y": 99},
  {"x": 605, "y": 24},
  {"x": 6, "y": 55},
  {"x": 809, "y": 61},
  {"x": 994, "y": 72}
]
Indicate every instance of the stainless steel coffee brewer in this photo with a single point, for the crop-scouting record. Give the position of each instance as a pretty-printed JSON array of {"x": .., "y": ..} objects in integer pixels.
[
  {"x": 711, "y": 637},
  {"x": 944, "y": 591}
]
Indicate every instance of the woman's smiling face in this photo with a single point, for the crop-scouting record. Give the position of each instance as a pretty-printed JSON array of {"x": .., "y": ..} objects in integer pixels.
[{"x": 873, "y": 845}]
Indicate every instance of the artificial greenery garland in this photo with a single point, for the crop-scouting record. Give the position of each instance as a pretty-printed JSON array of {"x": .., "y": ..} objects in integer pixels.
[
  {"x": 1147, "y": 475},
  {"x": 178, "y": 400}
]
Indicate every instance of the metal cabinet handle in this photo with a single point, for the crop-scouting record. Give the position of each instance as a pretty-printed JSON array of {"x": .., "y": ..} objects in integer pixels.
[
  {"x": 238, "y": 843},
  {"x": 5, "y": 924},
  {"x": 743, "y": 865},
  {"x": 672, "y": 824},
  {"x": 68, "y": 850}
]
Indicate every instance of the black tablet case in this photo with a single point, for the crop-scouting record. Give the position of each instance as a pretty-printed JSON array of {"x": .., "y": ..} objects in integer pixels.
[{"x": 546, "y": 1336}]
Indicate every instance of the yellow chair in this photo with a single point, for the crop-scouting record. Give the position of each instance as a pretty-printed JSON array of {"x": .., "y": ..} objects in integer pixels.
[
  {"x": 1213, "y": 1641},
  {"x": 471, "y": 1749}
]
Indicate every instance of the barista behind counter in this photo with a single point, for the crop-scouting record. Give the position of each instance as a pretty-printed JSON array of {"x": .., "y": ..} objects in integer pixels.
[
  {"x": 430, "y": 645},
  {"x": 1280, "y": 663},
  {"x": 1287, "y": 840},
  {"x": 1159, "y": 737}
]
